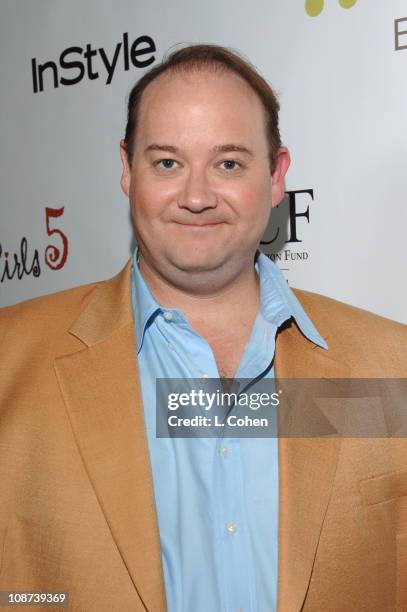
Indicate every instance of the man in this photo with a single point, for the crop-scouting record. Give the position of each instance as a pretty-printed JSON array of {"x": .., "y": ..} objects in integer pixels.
[{"x": 95, "y": 504}]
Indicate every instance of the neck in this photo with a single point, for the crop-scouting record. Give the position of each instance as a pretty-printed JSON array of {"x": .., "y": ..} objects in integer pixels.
[{"x": 236, "y": 299}]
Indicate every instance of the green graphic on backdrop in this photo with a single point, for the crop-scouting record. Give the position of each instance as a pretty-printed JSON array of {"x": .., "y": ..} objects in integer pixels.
[{"x": 315, "y": 7}]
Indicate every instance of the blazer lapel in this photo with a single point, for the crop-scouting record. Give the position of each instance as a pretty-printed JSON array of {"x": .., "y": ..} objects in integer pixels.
[
  {"x": 101, "y": 388},
  {"x": 306, "y": 472}
]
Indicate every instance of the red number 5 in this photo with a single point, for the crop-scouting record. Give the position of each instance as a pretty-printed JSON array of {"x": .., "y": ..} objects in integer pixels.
[{"x": 54, "y": 257}]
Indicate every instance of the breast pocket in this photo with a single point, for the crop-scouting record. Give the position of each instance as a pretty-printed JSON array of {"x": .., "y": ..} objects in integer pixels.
[
  {"x": 384, "y": 487},
  {"x": 385, "y": 497}
]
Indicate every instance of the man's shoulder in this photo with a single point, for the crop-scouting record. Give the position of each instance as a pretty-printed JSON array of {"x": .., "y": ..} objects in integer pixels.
[
  {"x": 333, "y": 314},
  {"x": 48, "y": 304},
  {"x": 40, "y": 317},
  {"x": 370, "y": 344},
  {"x": 42, "y": 323}
]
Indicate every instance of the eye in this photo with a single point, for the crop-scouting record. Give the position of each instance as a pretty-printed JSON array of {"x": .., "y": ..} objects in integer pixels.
[
  {"x": 165, "y": 164},
  {"x": 231, "y": 164}
]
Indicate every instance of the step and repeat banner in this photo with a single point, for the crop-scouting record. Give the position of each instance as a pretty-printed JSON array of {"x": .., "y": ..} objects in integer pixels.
[{"x": 339, "y": 69}]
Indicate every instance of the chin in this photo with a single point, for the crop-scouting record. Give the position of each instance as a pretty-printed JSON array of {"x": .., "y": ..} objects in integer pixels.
[{"x": 196, "y": 262}]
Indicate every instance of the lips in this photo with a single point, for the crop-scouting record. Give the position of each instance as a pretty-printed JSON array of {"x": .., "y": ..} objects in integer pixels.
[
  {"x": 200, "y": 224},
  {"x": 206, "y": 224}
]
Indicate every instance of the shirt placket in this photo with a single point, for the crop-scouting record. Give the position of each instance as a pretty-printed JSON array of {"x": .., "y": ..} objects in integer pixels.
[
  {"x": 231, "y": 538},
  {"x": 235, "y": 565}
]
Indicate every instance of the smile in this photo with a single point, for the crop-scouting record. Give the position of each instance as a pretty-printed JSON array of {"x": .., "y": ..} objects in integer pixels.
[{"x": 199, "y": 226}]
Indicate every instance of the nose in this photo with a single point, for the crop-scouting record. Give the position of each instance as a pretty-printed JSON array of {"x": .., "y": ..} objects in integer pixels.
[{"x": 196, "y": 194}]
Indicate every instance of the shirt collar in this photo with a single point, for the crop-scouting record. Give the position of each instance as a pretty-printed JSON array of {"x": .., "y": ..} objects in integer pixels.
[
  {"x": 145, "y": 305},
  {"x": 277, "y": 301}
]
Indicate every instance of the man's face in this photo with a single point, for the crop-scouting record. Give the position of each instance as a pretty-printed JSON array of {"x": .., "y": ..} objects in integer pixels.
[{"x": 199, "y": 183}]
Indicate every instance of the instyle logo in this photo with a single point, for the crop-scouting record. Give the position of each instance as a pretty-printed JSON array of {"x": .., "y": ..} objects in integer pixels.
[
  {"x": 76, "y": 63},
  {"x": 315, "y": 7},
  {"x": 21, "y": 263}
]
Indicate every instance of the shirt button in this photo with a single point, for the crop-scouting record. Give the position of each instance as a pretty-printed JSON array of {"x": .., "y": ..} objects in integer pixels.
[
  {"x": 204, "y": 377},
  {"x": 223, "y": 451},
  {"x": 168, "y": 316},
  {"x": 231, "y": 527}
]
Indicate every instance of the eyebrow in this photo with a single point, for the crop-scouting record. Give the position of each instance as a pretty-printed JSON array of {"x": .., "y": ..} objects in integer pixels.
[{"x": 226, "y": 148}]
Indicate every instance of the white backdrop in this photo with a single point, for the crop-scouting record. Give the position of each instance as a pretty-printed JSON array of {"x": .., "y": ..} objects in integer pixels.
[{"x": 341, "y": 77}]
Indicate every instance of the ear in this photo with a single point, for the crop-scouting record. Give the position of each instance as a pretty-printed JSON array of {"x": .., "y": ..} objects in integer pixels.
[
  {"x": 126, "y": 172},
  {"x": 278, "y": 176}
]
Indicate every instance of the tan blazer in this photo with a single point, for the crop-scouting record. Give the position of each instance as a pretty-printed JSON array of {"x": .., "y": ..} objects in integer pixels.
[{"x": 77, "y": 509}]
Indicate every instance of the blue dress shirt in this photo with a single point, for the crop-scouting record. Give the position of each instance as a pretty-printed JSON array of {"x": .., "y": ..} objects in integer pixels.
[{"x": 216, "y": 498}]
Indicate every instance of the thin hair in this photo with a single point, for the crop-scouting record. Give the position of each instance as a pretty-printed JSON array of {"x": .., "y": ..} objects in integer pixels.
[{"x": 212, "y": 58}]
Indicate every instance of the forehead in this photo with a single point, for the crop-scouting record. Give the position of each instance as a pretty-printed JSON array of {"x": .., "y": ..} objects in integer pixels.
[{"x": 200, "y": 102}]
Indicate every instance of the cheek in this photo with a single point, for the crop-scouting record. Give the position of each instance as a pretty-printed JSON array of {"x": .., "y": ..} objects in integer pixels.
[
  {"x": 252, "y": 200},
  {"x": 149, "y": 199}
]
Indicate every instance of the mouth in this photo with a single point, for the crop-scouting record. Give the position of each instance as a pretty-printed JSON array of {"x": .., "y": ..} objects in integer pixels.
[{"x": 199, "y": 225}]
